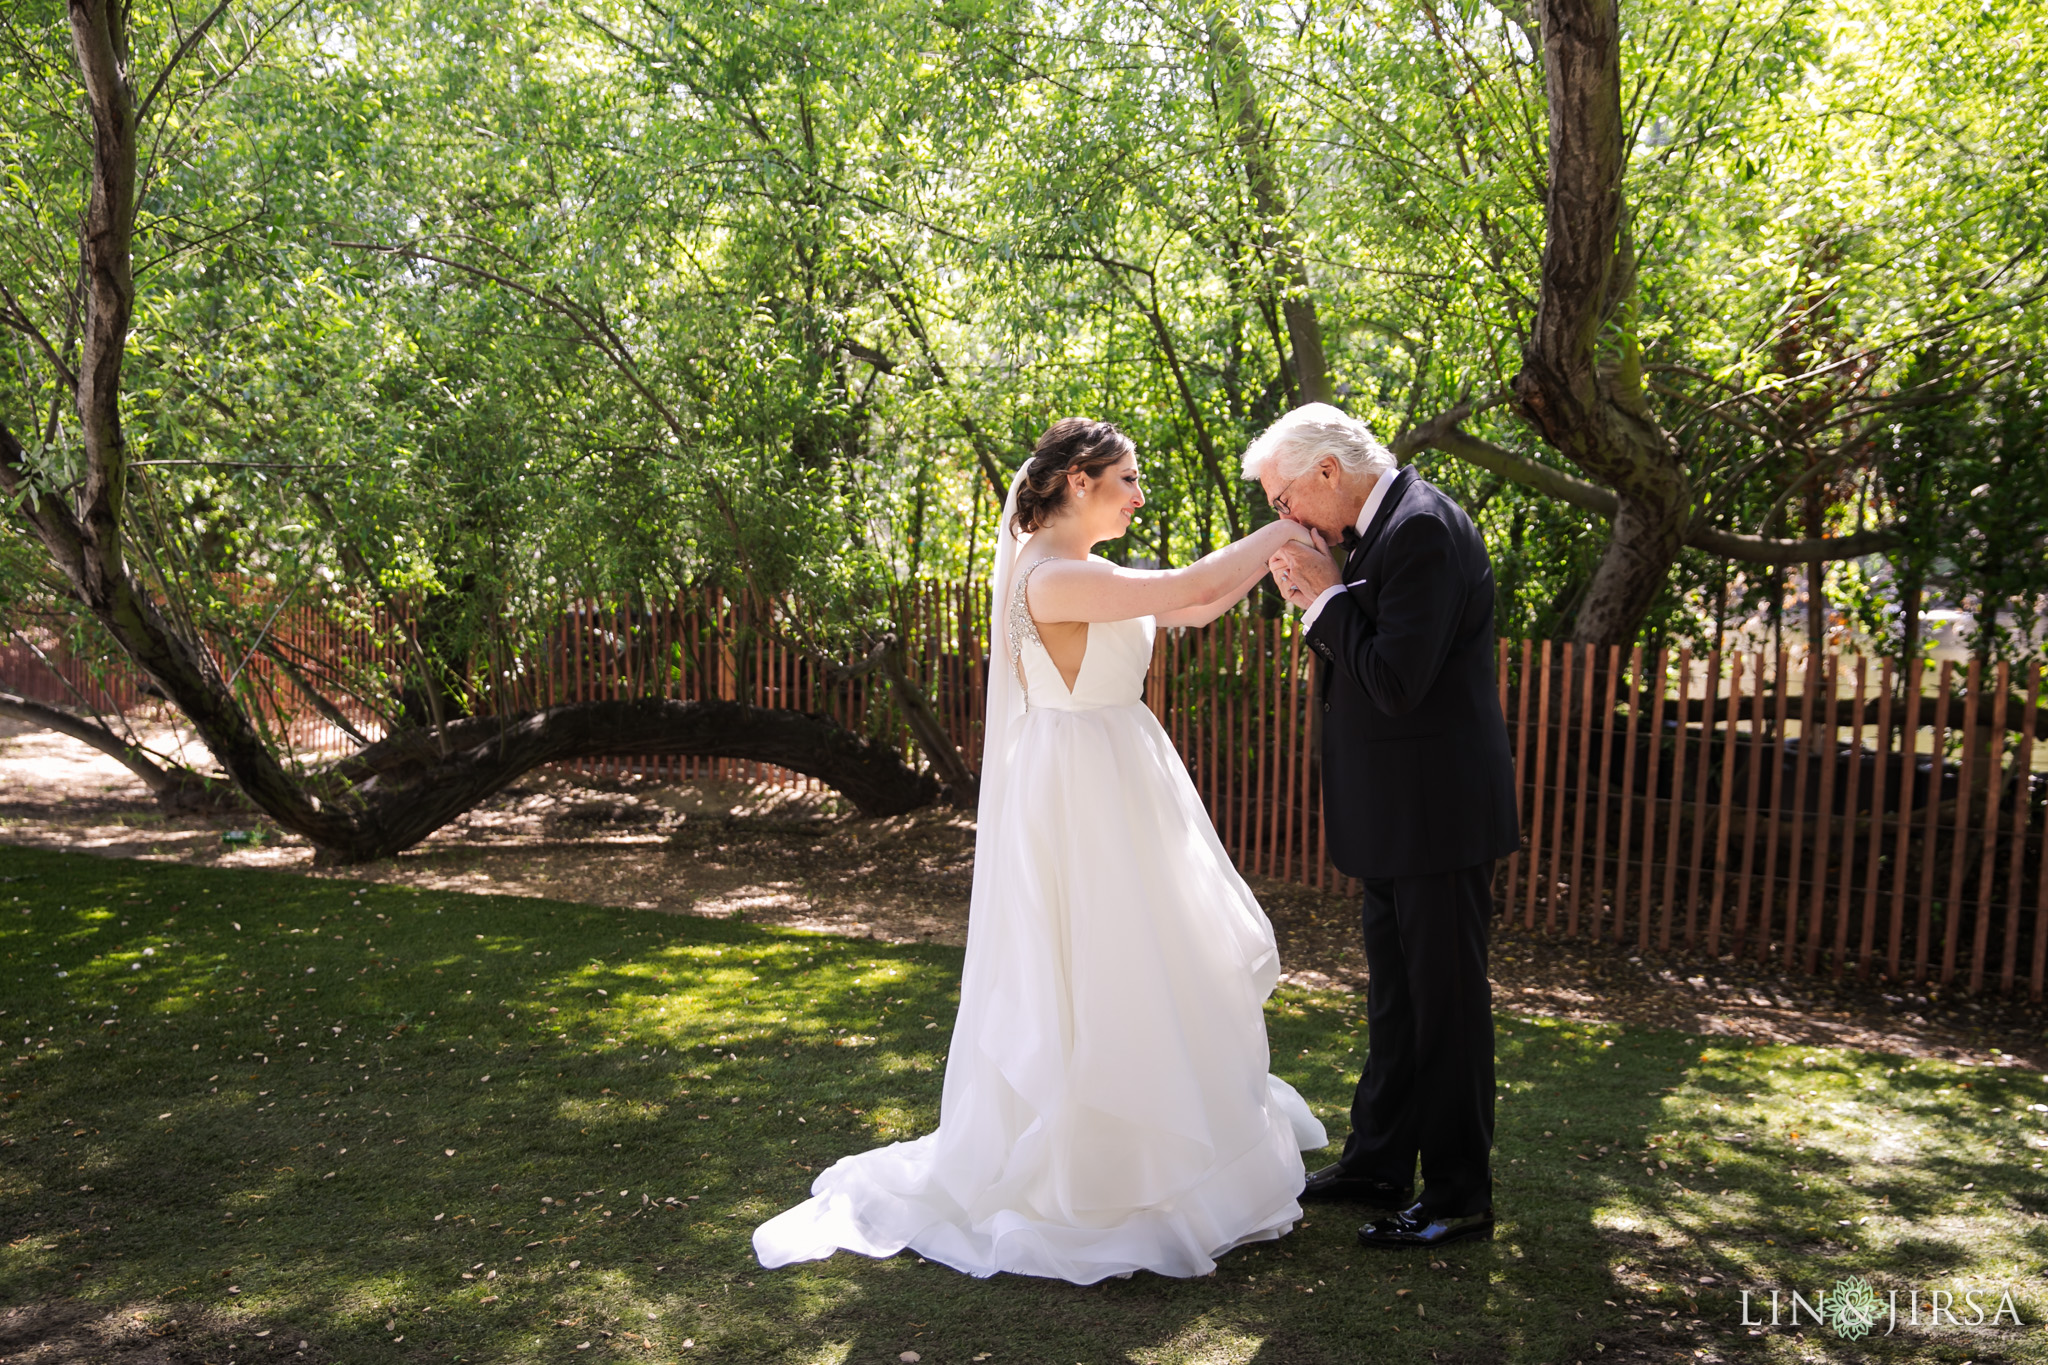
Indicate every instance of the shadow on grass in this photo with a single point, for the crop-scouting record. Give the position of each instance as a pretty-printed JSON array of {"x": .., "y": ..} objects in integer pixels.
[
  {"x": 408, "y": 1126},
  {"x": 1715, "y": 1168}
]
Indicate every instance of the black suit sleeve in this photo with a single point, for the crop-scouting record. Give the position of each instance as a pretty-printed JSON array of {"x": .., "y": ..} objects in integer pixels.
[{"x": 1396, "y": 658}]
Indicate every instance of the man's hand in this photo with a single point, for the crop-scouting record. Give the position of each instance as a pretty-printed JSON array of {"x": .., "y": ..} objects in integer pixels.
[{"x": 1303, "y": 572}]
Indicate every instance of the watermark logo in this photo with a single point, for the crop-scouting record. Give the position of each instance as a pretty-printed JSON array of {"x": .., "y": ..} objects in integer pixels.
[{"x": 1854, "y": 1308}]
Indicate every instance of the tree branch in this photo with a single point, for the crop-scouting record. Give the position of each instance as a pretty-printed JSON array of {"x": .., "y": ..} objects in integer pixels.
[
  {"x": 15, "y": 316},
  {"x": 1442, "y": 433},
  {"x": 191, "y": 41},
  {"x": 597, "y": 333},
  {"x": 1446, "y": 436},
  {"x": 1765, "y": 550},
  {"x": 175, "y": 787},
  {"x": 874, "y": 661},
  {"x": 320, "y": 700},
  {"x": 1164, "y": 336},
  {"x": 998, "y": 483},
  {"x": 962, "y": 786}
]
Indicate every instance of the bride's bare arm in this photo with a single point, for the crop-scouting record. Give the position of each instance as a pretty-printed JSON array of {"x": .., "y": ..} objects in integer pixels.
[
  {"x": 1089, "y": 590},
  {"x": 1208, "y": 611}
]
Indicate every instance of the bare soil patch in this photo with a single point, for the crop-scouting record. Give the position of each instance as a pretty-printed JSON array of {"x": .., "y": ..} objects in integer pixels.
[
  {"x": 75, "y": 1332},
  {"x": 794, "y": 859}
]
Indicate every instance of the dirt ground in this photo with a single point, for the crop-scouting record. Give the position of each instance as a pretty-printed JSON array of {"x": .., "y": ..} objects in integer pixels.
[
  {"x": 68, "y": 1332},
  {"x": 783, "y": 858}
]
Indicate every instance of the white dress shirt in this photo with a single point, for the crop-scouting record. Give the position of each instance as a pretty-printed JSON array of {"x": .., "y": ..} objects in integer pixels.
[{"x": 1365, "y": 515}]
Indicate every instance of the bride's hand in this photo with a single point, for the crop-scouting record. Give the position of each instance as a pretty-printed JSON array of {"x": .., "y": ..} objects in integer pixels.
[{"x": 1302, "y": 569}]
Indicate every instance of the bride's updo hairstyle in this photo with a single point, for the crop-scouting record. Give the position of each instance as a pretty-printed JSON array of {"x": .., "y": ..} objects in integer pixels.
[{"x": 1072, "y": 443}]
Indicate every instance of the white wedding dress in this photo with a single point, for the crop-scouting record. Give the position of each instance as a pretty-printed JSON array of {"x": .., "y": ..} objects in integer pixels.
[{"x": 1107, "y": 1106}]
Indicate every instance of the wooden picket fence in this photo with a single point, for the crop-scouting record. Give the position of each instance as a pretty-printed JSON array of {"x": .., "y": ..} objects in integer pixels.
[
  {"x": 1841, "y": 814},
  {"x": 1835, "y": 814}
]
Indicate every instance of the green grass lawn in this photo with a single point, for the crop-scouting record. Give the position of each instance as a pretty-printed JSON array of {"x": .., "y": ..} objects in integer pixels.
[{"x": 415, "y": 1126}]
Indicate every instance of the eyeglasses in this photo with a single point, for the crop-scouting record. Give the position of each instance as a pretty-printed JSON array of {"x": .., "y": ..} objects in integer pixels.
[{"x": 1278, "y": 502}]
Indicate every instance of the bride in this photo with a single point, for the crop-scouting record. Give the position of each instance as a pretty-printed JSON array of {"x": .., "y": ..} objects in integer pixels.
[{"x": 1107, "y": 1106}]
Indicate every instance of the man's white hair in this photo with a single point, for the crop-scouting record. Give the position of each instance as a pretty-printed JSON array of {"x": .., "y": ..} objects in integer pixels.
[{"x": 1298, "y": 442}]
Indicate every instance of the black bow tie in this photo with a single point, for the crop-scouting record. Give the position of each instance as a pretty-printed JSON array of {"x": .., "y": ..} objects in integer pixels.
[{"x": 1350, "y": 537}]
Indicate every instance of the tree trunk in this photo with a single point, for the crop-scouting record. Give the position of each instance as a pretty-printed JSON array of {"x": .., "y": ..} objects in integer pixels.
[
  {"x": 1277, "y": 240},
  {"x": 85, "y": 542},
  {"x": 181, "y": 669},
  {"x": 1910, "y": 588},
  {"x": 1816, "y": 609},
  {"x": 1987, "y": 630},
  {"x": 1816, "y": 581},
  {"x": 1584, "y": 397},
  {"x": 1581, "y": 384},
  {"x": 1642, "y": 544}
]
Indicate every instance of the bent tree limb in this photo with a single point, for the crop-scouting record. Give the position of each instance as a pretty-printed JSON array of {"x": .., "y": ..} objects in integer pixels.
[
  {"x": 406, "y": 788},
  {"x": 175, "y": 788}
]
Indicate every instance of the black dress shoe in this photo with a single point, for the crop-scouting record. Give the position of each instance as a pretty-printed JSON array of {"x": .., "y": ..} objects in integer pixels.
[
  {"x": 1414, "y": 1228},
  {"x": 1332, "y": 1185}
]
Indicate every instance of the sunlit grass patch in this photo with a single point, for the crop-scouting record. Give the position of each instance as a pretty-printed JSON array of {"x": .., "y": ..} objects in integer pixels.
[{"x": 510, "y": 1127}]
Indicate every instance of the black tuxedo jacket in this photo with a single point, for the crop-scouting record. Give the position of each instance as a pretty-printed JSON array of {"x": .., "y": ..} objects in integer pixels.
[{"x": 1417, "y": 777}]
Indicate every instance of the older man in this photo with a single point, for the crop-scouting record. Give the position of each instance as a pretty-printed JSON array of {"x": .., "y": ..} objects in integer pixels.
[{"x": 1418, "y": 800}]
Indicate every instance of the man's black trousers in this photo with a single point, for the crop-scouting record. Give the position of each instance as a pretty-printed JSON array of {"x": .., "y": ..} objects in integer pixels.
[{"x": 1427, "y": 1088}]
